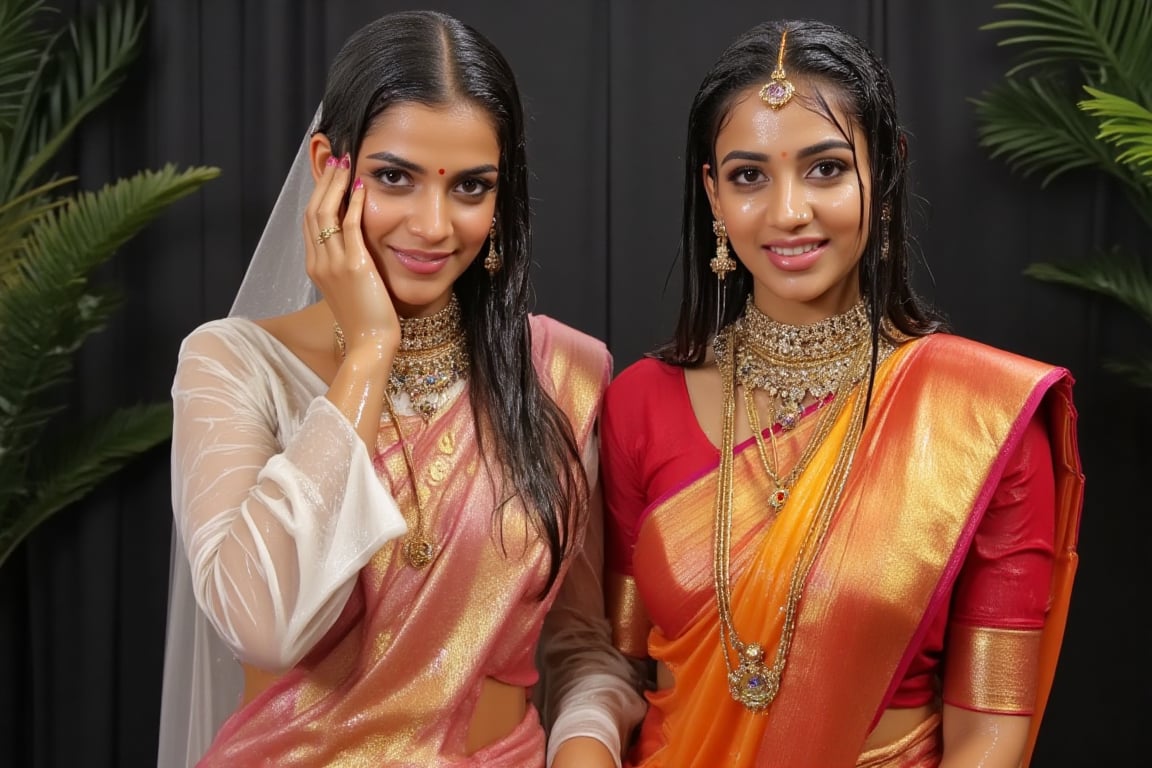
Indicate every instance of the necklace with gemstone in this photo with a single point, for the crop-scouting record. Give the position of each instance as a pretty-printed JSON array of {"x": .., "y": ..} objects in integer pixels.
[{"x": 793, "y": 363}]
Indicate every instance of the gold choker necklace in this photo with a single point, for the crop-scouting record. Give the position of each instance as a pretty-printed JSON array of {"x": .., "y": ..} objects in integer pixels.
[
  {"x": 793, "y": 363},
  {"x": 432, "y": 357}
]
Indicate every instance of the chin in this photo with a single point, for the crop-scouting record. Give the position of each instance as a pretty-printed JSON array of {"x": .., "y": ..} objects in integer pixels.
[{"x": 411, "y": 297}]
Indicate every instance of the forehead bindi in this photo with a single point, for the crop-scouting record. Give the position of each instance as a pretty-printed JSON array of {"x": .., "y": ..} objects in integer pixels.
[
  {"x": 443, "y": 139},
  {"x": 783, "y": 133}
]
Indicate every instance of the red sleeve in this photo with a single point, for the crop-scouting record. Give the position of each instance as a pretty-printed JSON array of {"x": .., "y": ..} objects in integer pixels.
[
  {"x": 1008, "y": 572},
  {"x": 621, "y": 433},
  {"x": 1006, "y": 576}
]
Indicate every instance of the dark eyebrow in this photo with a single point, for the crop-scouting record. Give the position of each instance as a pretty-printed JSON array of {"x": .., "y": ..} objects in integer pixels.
[
  {"x": 479, "y": 170},
  {"x": 408, "y": 165},
  {"x": 824, "y": 146},
  {"x": 739, "y": 154},
  {"x": 388, "y": 157}
]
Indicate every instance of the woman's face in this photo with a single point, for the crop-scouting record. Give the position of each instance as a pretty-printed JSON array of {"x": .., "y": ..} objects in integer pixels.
[
  {"x": 786, "y": 188},
  {"x": 430, "y": 175}
]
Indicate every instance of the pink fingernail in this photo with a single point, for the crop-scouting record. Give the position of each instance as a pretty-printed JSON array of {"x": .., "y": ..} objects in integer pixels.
[
  {"x": 358, "y": 184},
  {"x": 346, "y": 162},
  {"x": 332, "y": 160}
]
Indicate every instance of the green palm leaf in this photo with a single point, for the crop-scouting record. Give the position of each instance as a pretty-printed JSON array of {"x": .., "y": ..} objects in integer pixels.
[
  {"x": 1123, "y": 278},
  {"x": 83, "y": 464},
  {"x": 21, "y": 44},
  {"x": 50, "y": 81},
  {"x": 1112, "y": 39},
  {"x": 1125, "y": 124},
  {"x": 1037, "y": 130},
  {"x": 50, "y": 310},
  {"x": 67, "y": 87},
  {"x": 1138, "y": 372}
]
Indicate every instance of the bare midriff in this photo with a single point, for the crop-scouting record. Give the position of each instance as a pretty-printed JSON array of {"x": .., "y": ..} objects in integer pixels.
[
  {"x": 893, "y": 725},
  {"x": 499, "y": 709}
]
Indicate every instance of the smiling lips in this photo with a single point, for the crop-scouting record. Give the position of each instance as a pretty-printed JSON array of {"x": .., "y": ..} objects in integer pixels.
[
  {"x": 795, "y": 257},
  {"x": 422, "y": 262}
]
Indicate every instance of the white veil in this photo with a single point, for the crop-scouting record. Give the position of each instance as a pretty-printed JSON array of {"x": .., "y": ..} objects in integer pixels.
[{"x": 202, "y": 680}]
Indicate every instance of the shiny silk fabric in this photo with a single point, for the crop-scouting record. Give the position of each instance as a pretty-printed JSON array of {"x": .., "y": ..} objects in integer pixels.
[
  {"x": 396, "y": 680},
  {"x": 928, "y": 462}
]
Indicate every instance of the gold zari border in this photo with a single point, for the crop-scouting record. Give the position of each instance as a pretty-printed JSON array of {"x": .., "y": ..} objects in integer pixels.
[
  {"x": 992, "y": 670},
  {"x": 626, "y": 612}
]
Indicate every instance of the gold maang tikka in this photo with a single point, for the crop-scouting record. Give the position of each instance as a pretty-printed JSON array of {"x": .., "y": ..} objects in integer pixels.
[{"x": 778, "y": 91}]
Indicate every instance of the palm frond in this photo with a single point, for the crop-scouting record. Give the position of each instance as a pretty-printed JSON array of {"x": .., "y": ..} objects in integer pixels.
[
  {"x": 1036, "y": 129},
  {"x": 1138, "y": 372},
  {"x": 82, "y": 77},
  {"x": 46, "y": 314},
  {"x": 21, "y": 43},
  {"x": 1112, "y": 38},
  {"x": 19, "y": 215},
  {"x": 1125, "y": 124},
  {"x": 1122, "y": 278},
  {"x": 83, "y": 463}
]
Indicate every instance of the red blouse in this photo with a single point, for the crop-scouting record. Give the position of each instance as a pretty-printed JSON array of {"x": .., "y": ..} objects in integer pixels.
[{"x": 652, "y": 444}]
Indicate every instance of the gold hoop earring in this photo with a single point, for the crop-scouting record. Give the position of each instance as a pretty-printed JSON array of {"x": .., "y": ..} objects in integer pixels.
[
  {"x": 492, "y": 260},
  {"x": 885, "y": 238},
  {"x": 722, "y": 264}
]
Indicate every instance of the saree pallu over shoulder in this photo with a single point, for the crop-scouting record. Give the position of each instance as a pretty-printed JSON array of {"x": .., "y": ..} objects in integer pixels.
[
  {"x": 946, "y": 415},
  {"x": 574, "y": 368},
  {"x": 397, "y": 679}
]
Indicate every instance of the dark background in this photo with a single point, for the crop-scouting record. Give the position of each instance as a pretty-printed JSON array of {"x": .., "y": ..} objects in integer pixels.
[{"x": 607, "y": 86}]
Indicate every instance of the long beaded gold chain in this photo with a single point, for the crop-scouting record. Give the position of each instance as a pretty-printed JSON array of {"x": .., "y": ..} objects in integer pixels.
[
  {"x": 752, "y": 682},
  {"x": 417, "y": 549}
]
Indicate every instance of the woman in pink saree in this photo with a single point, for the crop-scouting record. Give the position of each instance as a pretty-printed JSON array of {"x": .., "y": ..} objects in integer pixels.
[
  {"x": 844, "y": 536},
  {"x": 388, "y": 497}
]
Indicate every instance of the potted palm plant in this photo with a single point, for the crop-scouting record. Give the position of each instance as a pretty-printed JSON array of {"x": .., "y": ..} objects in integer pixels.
[
  {"x": 1080, "y": 98},
  {"x": 52, "y": 237}
]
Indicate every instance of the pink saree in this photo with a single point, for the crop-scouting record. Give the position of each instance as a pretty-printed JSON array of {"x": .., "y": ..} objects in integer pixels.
[{"x": 396, "y": 680}]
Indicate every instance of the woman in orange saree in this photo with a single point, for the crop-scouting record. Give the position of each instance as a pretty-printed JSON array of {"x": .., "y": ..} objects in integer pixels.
[
  {"x": 386, "y": 497},
  {"x": 845, "y": 537}
]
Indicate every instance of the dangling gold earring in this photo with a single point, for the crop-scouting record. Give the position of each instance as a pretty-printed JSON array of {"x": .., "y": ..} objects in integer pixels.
[
  {"x": 722, "y": 264},
  {"x": 885, "y": 222},
  {"x": 492, "y": 260}
]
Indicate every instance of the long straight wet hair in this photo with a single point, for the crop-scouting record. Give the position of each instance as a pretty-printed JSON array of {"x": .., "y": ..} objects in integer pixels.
[
  {"x": 435, "y": 60},
  {"x": 846, "y": 75}
]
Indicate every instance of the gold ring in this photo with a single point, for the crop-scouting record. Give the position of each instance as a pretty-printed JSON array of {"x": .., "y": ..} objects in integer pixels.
[{"x": 326, "y": 233}]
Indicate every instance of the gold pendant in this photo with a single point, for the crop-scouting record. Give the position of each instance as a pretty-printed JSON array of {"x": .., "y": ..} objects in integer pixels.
[
  {"x": 417, "y": 551},
  {"x": 753, "y": 683},
  {"x": 778, "y": 498}
]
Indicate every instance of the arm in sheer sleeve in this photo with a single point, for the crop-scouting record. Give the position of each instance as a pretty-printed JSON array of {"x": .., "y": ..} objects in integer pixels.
[
  {"x": 275, "y": 533},
  {"x": 592, "y": 690}
]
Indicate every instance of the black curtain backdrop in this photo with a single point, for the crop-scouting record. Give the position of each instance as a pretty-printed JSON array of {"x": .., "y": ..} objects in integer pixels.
[{"x": 607, "y": 86}]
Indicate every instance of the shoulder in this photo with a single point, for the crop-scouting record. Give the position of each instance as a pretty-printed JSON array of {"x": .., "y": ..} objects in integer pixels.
[
  {"x": 223, "y": 338},
  {"x": 643, "y": 380},
  {"x": 238, "y": 347},
  {"x": 561, "y": 352},
  {"x": 960, "y": 360}
]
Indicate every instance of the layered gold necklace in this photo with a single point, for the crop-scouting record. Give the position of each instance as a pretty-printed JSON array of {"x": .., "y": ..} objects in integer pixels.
[
  {"x": 791, "y": 364},
  {"x": 431, "y": 360}
]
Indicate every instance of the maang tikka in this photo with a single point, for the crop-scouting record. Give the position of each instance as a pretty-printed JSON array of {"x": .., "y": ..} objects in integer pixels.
[
  {"x": 778, "y": 91},
  {"x": 722, "y": 264}
]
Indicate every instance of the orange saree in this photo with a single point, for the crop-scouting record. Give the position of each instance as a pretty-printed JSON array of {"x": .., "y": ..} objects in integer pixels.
[{"x": 930, "y": 458}]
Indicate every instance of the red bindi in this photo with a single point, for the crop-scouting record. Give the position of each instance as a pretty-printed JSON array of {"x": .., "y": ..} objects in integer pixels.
[
  {"x": 441, "y": 171},
  {"x": 783, "y": 154}
]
